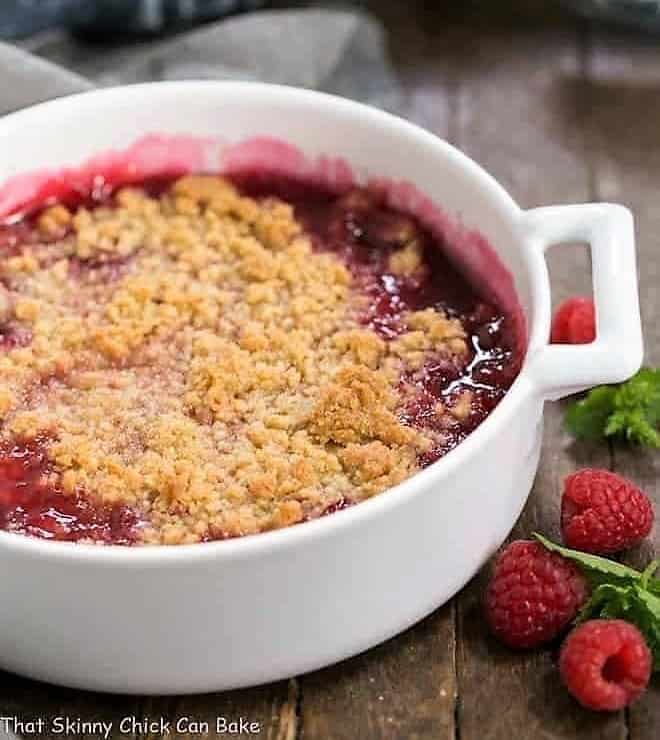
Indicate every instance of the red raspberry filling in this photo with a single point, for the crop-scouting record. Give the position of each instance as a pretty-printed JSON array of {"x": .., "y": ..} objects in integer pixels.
[
  {"x": 14, "y": 336},
  {"x": 364, "y": 233},
  {"x": 32, "y": 502},
  {"x": 13, "y": 235}
]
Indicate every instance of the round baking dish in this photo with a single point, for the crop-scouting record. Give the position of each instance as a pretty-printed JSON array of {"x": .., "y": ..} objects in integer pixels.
[{"x": 241, "y": 612}]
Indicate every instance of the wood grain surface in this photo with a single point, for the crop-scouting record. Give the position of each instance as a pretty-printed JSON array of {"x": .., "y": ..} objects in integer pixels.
[{"x": 559, "y": 112}]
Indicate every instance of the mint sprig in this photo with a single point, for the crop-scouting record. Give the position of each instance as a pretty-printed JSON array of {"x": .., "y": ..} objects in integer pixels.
[
  {"x": 627, "y": 412},
  {"x": 618, "y": 592},
  {"x": 596, "y": 569}
]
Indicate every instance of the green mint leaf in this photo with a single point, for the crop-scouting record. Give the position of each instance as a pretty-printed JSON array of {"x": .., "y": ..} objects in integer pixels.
[
  {"x": 597, "y": 570},
  {"x": 633, "y": 426},
  {"x": 618, "y": 592},
  {"x": 647, "y": 574},
  {"x": 606, "y": 599},
  {"x": 641, "y": 392},
  {"x": 629, "y": 411},
  {"x": 646, "y": 615},
  {"x": 654, "y": 586},
  {"x": 588, "y": 418}
]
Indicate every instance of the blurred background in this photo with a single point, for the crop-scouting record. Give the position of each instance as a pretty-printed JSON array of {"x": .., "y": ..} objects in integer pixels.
[
  {"x": 357, "y": 48},
  {"x": 104, "y": 19}
]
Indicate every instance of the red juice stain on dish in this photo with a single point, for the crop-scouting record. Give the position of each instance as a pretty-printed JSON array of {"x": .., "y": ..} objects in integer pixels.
[
  {"x": 32, "y": 502},
  {"x": 363, "y": 232}
]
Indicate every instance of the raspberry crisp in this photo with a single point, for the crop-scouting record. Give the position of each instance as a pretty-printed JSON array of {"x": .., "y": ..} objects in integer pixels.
[{"x": 198, "y": 360}]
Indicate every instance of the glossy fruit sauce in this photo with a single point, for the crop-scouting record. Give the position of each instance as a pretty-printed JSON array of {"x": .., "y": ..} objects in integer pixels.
[
  {"x": 32, "y": 503},
  {"x": 363, "y": 232}
]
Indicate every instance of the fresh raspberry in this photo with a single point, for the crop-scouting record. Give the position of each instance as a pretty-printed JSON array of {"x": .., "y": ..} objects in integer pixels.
[
  {"x": 605, "y": 663},
  {"x": 602, "y": 512},
  {"x": 533, "y": 594},
  {"x": 574, "y": 322}
]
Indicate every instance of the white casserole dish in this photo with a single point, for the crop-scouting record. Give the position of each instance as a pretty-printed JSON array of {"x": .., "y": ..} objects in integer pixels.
[{"x": 241, "y": 612}]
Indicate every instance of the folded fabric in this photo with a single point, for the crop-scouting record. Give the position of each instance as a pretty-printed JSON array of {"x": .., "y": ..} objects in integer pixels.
[
  {"x": 21, "y": 18},
  {"x": 335, "y": 51},
  {"x": 26, "y": 79}
]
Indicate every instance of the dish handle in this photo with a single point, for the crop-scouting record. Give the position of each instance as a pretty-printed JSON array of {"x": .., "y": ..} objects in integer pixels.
[{"x": 558, "y": 370}]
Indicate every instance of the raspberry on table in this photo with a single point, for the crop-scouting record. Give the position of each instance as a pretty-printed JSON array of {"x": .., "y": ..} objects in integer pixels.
[
  {"x": 601, "y": 512},
  {"x": 533, "y": 594},
  {"x": 574, "y": 322},
  {"x": 605, "y": 664}
]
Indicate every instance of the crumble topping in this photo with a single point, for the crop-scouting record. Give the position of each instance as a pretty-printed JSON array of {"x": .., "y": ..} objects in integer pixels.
[
  {"x": 407, "y": 260},
  {"x": 194, "y": 357}
]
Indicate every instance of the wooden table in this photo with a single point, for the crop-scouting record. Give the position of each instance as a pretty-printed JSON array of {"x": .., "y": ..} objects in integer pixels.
[{"x": 559, "y": 112}]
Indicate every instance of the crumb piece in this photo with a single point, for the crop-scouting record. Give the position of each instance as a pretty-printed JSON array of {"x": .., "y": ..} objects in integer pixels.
[
  {"x": 26, "y": 309},
  {"x": 286, "y": 514},
  {"x": 462, "y": 406},
  {"x": 365, "y": 347},
  {"x": 25, "y": 263},
  {"x": 54, "y": 221},
  {"x": 398, "y": 230},
  {"x": 205, "y": 189},
  {"x": 406, "y": 261},
  {"x": 275, "y": 226},
  {"x": 220, "y": 373},
  {"x": 429, "y": 331},
  {"x": 6, "y": 401},
  {"x": 368, "y": 461},
  {"x": 357, "y": 406}
]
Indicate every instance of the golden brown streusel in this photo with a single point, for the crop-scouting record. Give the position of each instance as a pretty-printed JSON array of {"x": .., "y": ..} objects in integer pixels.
[{"x": 193, "y": 357}]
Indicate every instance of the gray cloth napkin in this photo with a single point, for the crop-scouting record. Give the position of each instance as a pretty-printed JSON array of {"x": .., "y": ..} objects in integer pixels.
[
  {"x": 335, "y": 51},
  {"x": 26, "y": 79}
]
